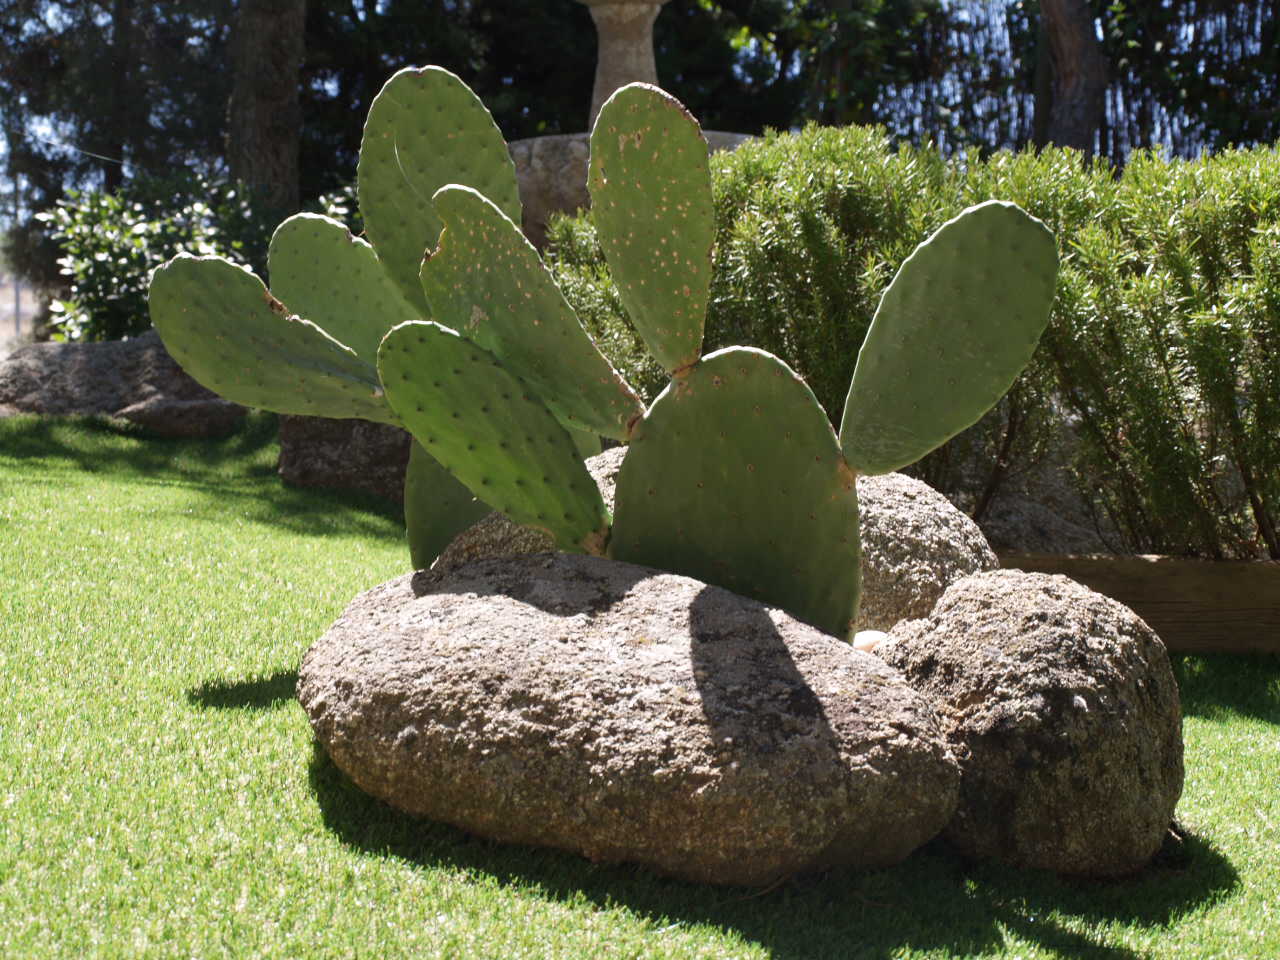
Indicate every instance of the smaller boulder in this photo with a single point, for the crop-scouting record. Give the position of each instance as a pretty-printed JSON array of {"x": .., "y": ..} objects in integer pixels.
[
  {"x": 1062, "y": 709},
  {"x": 627, "y": 715},
  {"x": 171, "y": 417},
  {"x": 135, "y": 379},
  {"x": 915, "y": 544},
  {"x": 343, "y": 455}
]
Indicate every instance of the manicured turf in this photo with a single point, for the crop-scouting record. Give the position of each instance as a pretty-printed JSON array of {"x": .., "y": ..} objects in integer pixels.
[{"x": 160, "y": 794}]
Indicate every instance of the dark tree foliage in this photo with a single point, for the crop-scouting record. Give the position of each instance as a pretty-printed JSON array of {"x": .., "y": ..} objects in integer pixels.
[
  {"x": 1186, "y": 75},
  {"x": 1192, "y": 74},
  {"x": 133, "y": 86},
  {"x": 531, "y": 63},
  {"x": 148, "y": 83}
]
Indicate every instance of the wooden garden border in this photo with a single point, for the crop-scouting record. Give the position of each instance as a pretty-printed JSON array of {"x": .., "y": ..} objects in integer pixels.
[{"x": 1196, "y": 606}]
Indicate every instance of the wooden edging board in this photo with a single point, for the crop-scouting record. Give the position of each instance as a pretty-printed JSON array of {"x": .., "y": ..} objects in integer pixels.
[{"x": 1196, "y": 606}]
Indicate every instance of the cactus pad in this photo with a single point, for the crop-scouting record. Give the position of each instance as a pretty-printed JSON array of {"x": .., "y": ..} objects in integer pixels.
[
  {"x": 956, "y": 326},
  {"x": 650, "y": 186},
  {"x": 224, "y": 328},
  {"x": 425, "y": 129},
  {"x": 734, "y": 476},
  {"x": 492, "y": 432},
  {"x": 436, "y": 507},
  {"x": 323, "y": 273},
  {"x": 488, "y": 282}
]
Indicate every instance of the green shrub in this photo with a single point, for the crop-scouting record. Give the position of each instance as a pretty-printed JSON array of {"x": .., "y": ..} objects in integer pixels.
[
  {"x": 1159, "y": 373},
  {"x": 110, "y": 243},
  {"x": 1167, "y": 348}
]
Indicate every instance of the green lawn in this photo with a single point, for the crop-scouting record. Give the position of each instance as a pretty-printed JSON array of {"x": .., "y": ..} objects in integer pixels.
[{"x": 160, "y": 794}]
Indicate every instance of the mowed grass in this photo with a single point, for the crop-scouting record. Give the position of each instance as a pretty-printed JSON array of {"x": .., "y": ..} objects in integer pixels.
[{"x": 160, "y": 793}]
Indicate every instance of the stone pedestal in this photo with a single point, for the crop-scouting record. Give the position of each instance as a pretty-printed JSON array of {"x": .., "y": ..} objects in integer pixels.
[{"x": 624, "y": 29}]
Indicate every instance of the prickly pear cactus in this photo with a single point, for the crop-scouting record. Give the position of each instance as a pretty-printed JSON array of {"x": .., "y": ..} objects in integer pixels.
[
  {"x": 734, "y": 474},
  {"x": 226, "y": 330},
  {"x": 735, "y": 477},
  {"x": 436, "y": 507},
  {"x": 650, "y": 186},
  {"x": 425, "y": 130},
  {"x": 335, "y": 280},
  {"x": 491, "y": 431},
  {"x": 311, "y": 346},
  {"x": 953, "y": 331},
  {"x": 488, "y": 282}
]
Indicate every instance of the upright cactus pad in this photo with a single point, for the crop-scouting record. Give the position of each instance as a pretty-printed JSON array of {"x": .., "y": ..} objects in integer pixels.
[
  {"x": 335, "y": 281},
  {"x": 734, "y": 476},
  {"x": 224, "y": 328},
  {"x": 426, "y": 129},
  {"x": 487, "y": 281},
  {"x": 437, "y": 507},
  {"x": 491, "y": 432},
  {"x": 650, "y": 185},
  {"x": 954, "y": 329}
]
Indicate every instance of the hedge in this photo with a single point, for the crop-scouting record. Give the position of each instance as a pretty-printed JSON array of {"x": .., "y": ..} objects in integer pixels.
[{"x": 1160, "y": 370}]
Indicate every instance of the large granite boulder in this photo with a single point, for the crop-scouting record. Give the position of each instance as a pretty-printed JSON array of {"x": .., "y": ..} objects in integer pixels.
[
  {"x": 630, "y": 716},
  {"x": 1061, "y": 706},
  {"x": 343, "y": 455},
  {"x": 915, "y": 544},
  {"x": 135, "y": 379}
]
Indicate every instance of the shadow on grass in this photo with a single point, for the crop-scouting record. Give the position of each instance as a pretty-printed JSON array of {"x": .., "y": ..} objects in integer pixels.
[
  {"x": 235, "y": 473},
  {"x": 264, "y": 693},
  {"x": 934, "y": 900},
  {"x": 1221, "y": 685},
  {"x": 104, "y": 444}
]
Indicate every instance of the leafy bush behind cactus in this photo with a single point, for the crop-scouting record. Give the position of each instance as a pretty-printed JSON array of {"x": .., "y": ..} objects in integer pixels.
[
  {"x": 1162, "y": 358},
  {"x": 111, "y": 241}
]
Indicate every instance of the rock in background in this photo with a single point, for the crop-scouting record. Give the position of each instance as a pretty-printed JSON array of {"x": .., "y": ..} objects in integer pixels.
[
  {"x": 343, "y": 455},
  {"x": 1061, "y": 706},
  {"x": 135, "y": 379},
  {"x": 630, "y": 716}
]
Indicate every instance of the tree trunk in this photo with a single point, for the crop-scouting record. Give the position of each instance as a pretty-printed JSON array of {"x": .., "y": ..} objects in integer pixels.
[
  {"x": 1043, "y": 87},
  {"x": 1079, "y": 73},
  {"x": 118, "y": 124},
  {"x": 264, "y": 118}
]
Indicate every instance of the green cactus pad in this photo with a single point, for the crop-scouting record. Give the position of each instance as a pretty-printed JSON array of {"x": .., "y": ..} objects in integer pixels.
[
  {"x": 587, "y": 444},
  {"x": 323, "y": 273},
  {"x": 650, "y": 186},
  {"x": 224, "y": 328},
  {"x": 436, "y": 507},
  {"x": 488, "y": 282},
  {"x": 491, "y": 432},
  {"x": 425, "y": 129},
  {"x": 734, "y": 476},
  {"x": 953, "y": 331}
]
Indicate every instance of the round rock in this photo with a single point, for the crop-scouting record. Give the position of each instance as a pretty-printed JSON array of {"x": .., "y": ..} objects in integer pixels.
[
  {"x": 915, "y": 544},
  {"x": 1062, "y": 709},
  {"x": 630, "y": 716}
]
